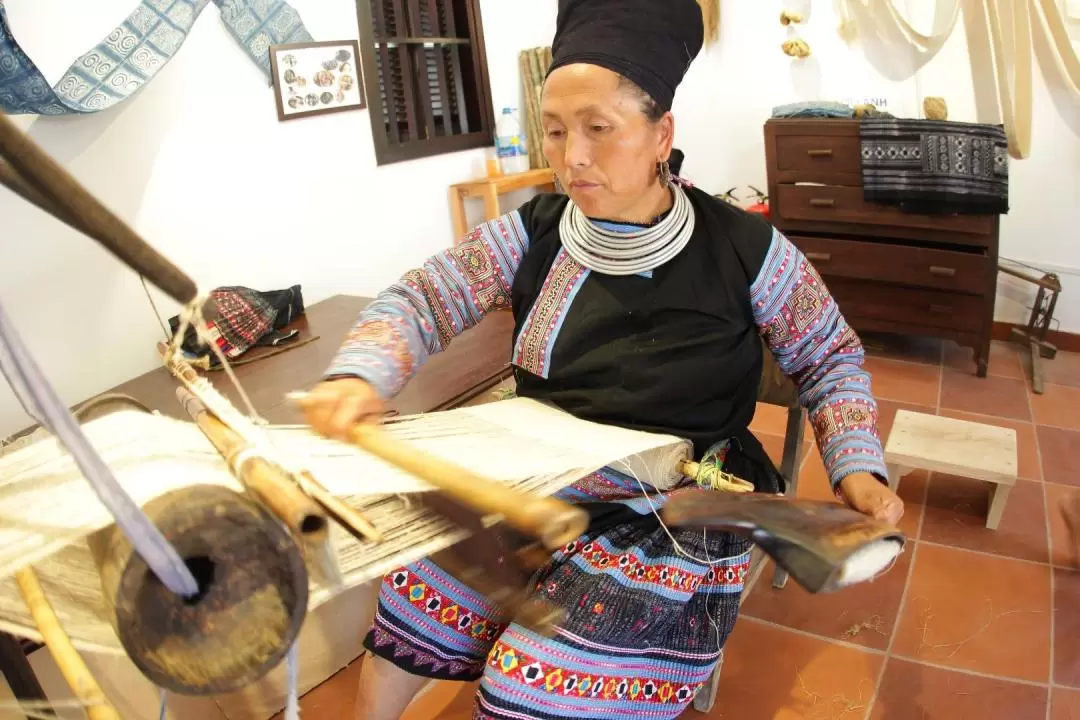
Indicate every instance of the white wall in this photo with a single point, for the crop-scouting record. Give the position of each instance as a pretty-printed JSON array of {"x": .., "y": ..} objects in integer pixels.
[
  {"x": 199, "y": 164},
  {"x": 732, "y": 88}
]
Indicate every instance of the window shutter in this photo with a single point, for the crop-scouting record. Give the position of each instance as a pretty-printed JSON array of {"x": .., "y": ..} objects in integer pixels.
[{"x": 430, "y": 75}]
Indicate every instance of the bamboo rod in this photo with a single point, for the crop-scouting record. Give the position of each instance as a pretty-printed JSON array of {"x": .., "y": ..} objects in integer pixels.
[
  {"x": 553, "y": 521},
  {"x": 303, "y": 516},
  {"x": 306, "y": 484},
  {"x": 71, "y": 665},
  {"x": 714, "y": 477},
  {"x": 343, "y": 513}
]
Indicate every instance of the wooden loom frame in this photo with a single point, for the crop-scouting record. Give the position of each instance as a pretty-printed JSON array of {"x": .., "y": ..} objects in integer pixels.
[{"x": 29, "y": 172}]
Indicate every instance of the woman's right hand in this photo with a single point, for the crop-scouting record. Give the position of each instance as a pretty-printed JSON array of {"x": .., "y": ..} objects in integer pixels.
[{"x": 334, "y": 406}]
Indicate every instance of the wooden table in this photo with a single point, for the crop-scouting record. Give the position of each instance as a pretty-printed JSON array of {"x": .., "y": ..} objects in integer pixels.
[
  {"x": 477, "y": 360},
  {"x": 490, "y": 188}
]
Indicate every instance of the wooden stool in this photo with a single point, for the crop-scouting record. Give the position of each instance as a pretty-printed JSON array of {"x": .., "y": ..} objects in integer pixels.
[
  {"x": 954, "y": 447},
  {"x": 490, "y": 188}
]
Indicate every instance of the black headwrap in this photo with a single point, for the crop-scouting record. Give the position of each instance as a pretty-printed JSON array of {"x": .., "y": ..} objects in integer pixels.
[{"x": 651, "y": 42}]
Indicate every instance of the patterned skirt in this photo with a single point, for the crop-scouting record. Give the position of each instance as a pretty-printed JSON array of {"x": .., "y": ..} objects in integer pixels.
[{"x": 645, "y": 623}]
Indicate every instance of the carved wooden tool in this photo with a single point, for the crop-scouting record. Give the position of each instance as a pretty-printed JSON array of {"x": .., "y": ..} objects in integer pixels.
[
  {"x": 823, "y": 545},
  {"x": 495, "y": 562}
]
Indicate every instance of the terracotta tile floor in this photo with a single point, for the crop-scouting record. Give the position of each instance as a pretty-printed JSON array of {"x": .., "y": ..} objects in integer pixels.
[{"x": 971, "y": 623}]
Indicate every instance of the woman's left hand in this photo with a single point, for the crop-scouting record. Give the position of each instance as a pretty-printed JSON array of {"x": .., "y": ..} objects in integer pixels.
[{"x": 865, "y": 493}]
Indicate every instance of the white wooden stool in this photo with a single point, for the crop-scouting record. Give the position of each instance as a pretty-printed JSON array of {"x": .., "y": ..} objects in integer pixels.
[{"x": 954, "y": 447}]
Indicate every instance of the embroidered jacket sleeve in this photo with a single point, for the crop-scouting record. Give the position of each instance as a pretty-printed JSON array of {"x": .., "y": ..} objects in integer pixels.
[
  {"x": 816, "y": 348},
  {"x": 421, "y": 313}
]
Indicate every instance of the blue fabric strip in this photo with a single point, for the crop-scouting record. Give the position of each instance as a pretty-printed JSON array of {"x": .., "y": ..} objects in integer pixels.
[
  {"x": 132, "y": 54},
  {"x": 41, "y": 402}
]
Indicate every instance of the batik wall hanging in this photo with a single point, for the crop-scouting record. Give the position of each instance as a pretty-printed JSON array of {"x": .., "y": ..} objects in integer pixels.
[{"x": 132, "y": 54}]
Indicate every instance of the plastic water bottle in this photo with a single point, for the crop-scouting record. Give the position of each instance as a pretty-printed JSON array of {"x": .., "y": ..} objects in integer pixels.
[{"x": 510, "y": 144}]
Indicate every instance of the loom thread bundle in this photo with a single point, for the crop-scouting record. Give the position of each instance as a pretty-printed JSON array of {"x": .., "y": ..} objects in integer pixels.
[{"x": 533, "y": 447}]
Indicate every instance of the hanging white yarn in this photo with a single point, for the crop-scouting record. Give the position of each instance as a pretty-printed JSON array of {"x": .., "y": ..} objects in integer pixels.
[
  {"x": 627, "y": 253},
  {"x": 292, "y": 669}
]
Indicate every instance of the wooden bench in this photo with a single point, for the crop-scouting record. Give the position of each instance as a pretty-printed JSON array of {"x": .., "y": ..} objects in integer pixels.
[{"x": 955, "y": 447}]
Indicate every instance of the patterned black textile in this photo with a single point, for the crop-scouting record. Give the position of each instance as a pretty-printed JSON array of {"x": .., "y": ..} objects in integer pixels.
[{"x": 935, "y": 167}]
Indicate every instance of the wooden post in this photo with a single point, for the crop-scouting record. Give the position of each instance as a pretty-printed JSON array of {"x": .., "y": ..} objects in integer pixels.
[{"x": 71, "y": 665}]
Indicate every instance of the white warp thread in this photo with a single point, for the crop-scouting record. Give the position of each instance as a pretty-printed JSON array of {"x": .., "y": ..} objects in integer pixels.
[
  {"x": 45, "y": 509},
  {"x": 292, "y": 701}
]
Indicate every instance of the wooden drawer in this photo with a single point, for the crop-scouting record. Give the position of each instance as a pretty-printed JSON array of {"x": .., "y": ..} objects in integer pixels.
[
  {"x": 908, "y": 306},
  {"x": 811, "y": 157},
  {"x": 838, "y": 204},
  {"x": 900, "y": 264}
]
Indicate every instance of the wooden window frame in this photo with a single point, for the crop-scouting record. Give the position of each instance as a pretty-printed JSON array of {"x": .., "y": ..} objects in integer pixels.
[{"x": 387, "y": 150}]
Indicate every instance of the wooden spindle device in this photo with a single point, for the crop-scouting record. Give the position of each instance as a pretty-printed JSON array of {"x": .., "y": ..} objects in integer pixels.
[
  {"x": 300, "y": 501},
  {"x": 252, "y": 600},
  {"x": 253, "y": 586},
  {"x": 302, "y": 515}
]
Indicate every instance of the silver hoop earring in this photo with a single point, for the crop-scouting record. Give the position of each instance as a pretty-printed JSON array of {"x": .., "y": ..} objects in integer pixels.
[
  {"x": 663, "y": 172},
  {"x": 558, "y": 186}
]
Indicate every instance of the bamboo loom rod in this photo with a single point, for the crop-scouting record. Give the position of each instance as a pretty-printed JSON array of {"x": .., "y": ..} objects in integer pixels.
[
  {"x": 303, "y": 516},
  {"x": 305, "y": 486},
  {"x": 63, "y": 197},
  {"x": 343, "y": 513},
  {"x": 71, "y": 665},
  {"x": 553, "y": 521}
]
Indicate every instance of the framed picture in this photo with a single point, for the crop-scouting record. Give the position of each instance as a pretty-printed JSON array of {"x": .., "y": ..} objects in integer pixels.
[{"x": 316, "y": 78}]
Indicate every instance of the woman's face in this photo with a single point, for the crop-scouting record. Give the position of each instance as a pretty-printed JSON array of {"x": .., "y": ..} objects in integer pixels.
[{"x": 601, "y": 145}]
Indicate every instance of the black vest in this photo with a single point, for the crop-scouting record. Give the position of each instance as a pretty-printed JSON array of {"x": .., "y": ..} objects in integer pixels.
[{"x": 677, "y": 353}]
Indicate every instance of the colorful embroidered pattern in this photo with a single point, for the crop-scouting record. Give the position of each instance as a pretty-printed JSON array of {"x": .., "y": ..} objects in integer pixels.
[
  {"x": 532, "y": 351},
  {"x": 815, "y": 346},
  {"x": 636, "y": 613},
  {"x": 515, "y": 664},
  {"x": 671, "y": 577},
  {"x": 423, "y": 312},
  {"x": 442, "y": 608},
  {"x": 426, "y": 618}
]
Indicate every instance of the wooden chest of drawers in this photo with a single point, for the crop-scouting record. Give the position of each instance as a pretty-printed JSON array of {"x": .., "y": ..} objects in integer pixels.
[{"x": 890, "y": 271}]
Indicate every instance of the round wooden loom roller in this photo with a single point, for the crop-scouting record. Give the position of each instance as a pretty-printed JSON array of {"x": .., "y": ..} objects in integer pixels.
[{"x": 253, "y": 589}]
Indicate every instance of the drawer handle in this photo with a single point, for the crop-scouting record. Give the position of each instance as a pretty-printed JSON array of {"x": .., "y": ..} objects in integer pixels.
[
  {"x": 939, "y": 271},
  {"x": 822, "y": 202},
  {"x": 941, "y": 309},
  {"x": 820, "y": 152},
  {"x": 819, "y": 257}
]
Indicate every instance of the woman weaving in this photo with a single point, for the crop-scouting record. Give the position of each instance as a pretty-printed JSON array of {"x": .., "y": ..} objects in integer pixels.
[{"x": 639, "y": 301}]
